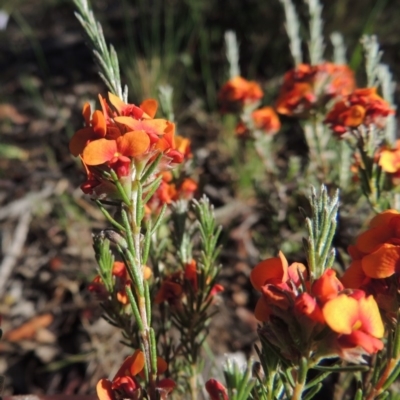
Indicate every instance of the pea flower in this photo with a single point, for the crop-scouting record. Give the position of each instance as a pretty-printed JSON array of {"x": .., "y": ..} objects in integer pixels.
[
  {"x": 376, "y": 253},
  {"x": 216, "y": 390},
  {"x": 125, "y": 383},
  {"x": 274, "y": 278},
  {"x": 356, "y": 319},
  {"x": 263, "y": 119},
  {"x": 362, "y": 107},
  {"x": 389, "y": 159}
]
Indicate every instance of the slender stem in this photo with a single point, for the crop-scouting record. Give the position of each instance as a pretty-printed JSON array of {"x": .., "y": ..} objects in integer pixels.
[
  {"x": 304, "y": 365},
  {"x": 313, "y": 132},
  {"x": 193, "y": 381},
  {"x": 270, "y": 386},
  {"x": 262, "y": 145},
  {"x": 145, "y": 333},
  {"x": 391, "y": 365},
  {"x": 367, "y": 174},
  {"x": 298, "y": 390}
]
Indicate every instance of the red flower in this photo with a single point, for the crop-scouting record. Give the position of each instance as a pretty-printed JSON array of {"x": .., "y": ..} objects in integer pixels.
[
  {"x": 216, "y": 390},
  {"x": 125, "y": 383},
  {"x": 171, "y": 290}
]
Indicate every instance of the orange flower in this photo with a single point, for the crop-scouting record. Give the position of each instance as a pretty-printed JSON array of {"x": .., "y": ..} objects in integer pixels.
[
  {"x": 171, "y": 190},
  {"x": 187, "y": 188},
  {"x": 268, "y": 271},
  {"x": 117, "y": 153},
  {"x": 146, "y": 110},
  {"x": 239, "y": 92},
  {"x": 96, "y": 128},
  {"x": 267, "y": 120},
  {"x": 264, "y": 119},
  {"x": 389, "y": 159},
  {"x": 357, "y": 319},
  {"x": 306, "y": 87},
  {"x": 327, "y": 286},
  {"x": 216, "y": 390},
  {"x": 376, "y": 253},
  {"x": 155, "y": 128},
  {"x": 362, "y": 107}
]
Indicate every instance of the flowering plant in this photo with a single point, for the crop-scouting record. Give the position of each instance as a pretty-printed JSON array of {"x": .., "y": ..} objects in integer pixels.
[{"x": 158, "y": 265}]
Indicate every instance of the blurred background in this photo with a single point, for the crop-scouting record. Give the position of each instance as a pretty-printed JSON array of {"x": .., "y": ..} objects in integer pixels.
[{"x": 54, "y": 339}]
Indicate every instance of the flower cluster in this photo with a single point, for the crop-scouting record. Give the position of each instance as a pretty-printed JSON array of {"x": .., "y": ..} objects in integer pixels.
[
  {"x": 361, "y": 107},
  {"x": 123, "y": 138},
  {"x": 241, "y": 96},
  {"x": 308, "y": 87},
  {"x": 295, "y": 311},
  {"x": 126, "y": 382}
]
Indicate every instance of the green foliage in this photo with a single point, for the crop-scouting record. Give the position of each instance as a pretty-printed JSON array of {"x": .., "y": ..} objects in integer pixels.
[
  {"x": 106, "y": 57},
  {"x": 321, "y": 228}
]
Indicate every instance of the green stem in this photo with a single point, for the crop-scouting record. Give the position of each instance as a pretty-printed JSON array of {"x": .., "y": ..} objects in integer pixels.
[
  {"x": 193, "y": 381},
  {"x": 366, "y": 175},
  {"x": 145, "y": 332},
  {"x": 314, "y": 132},
  {"x": 381, "y": 385},
  {"x": 301, "y": 379}
]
